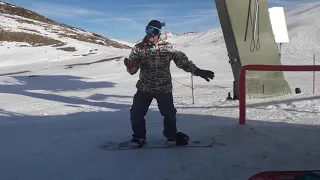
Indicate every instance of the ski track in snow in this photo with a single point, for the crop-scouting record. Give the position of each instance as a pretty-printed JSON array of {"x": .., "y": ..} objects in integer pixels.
[{"x": 51, "y": 124}]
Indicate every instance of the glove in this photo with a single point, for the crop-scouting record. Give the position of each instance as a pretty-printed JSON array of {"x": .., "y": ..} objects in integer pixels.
[
  {"x": 129, "y": 64},
  {"x": 205, "y": 74}
]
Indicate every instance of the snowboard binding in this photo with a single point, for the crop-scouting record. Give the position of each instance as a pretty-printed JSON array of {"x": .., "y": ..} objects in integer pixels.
[{"x": 181, "y": 139}]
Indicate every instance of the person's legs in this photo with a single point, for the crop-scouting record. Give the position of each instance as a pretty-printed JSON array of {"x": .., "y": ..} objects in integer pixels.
[
  {"x": 140, "y": 106},
  {"x": 168, "y": 111}
]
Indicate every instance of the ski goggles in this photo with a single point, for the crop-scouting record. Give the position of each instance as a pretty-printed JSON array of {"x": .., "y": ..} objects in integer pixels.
[{"x": 153, "y": 31}]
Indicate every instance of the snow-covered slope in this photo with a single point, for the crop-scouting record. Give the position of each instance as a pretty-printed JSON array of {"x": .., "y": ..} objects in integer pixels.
[
  {"x": 23, "y": 32},
  {"x": 304, "y": 35},
  {"x": 130, "y": 44},
  {"x": 53, "y": 116},
  {"x": 210, "y": 37},
  {"x": 303, "y": 27},
  {"x": 304, "y": 32}
]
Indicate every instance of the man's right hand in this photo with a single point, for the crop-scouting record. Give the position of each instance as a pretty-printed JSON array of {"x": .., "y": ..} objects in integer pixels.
[{"x": 129, "y": 64}]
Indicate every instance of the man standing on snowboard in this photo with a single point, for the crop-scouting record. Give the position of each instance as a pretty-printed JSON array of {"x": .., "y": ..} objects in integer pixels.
[{"x": 155, "y": 82}]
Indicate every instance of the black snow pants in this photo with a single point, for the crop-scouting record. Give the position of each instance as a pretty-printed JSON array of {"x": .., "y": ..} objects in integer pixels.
[{"x": 140, "y": 106}]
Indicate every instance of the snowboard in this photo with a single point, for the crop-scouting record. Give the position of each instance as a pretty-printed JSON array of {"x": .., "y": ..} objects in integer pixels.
[
  {"x": 155, "y": 143},
  {"x": 287, "y": 175}
]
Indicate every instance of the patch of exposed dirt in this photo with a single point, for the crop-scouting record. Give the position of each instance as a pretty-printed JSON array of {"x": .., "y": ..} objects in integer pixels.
[
  {"x": 30, "y": 38},
  {"x": 99, "y": 61},
  {"x": 19, "y": 72},
  {"x": 69, "y": 49}
]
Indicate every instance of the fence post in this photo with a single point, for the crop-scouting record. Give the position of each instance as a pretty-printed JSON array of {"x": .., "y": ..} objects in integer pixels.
[
  {"x": 314, "y": 74},
  {"x": 192, "y": 88}
]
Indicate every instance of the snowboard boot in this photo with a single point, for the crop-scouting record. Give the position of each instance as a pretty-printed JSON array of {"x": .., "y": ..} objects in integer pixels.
[
  {"x": 171, "y": 142},
  {"x": 181, "y": 139},
  {"x": 138, "y": 142}
]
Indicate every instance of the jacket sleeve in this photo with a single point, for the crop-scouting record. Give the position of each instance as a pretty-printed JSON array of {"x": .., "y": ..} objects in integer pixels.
[
  {"x": 182, "y": 61},
  {"x": 135, "y": 56}
]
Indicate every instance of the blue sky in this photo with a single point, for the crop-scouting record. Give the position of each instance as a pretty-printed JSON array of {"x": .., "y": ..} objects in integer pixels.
[{"x": 126, "y": 19}]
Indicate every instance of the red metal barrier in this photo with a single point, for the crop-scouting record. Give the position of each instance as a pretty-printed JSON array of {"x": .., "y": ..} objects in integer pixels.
[{"x": 242, "y": 81}]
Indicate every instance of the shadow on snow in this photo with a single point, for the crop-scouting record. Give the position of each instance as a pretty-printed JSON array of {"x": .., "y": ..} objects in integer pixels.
[
  {"x": 66, "y": 146},
  {"x": 35, "y": 86},
  {"x": 33, "y": 145}
]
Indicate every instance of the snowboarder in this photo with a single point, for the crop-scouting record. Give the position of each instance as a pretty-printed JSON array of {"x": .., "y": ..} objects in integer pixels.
[{"x": 155, "y": 83}]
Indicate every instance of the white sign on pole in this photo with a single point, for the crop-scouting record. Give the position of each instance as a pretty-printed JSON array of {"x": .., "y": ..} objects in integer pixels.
[{"x": 278, "y": 23}]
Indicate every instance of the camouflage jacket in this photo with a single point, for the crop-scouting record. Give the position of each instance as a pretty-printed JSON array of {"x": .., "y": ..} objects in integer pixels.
[{"x": 154, "y": 64}]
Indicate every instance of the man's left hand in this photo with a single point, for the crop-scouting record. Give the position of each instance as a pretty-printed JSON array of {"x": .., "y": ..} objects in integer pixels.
[{"x": 205, "y": 74}]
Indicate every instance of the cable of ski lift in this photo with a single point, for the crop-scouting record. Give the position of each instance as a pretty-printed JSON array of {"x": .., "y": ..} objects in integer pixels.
[{"x": 255, "y": 25}]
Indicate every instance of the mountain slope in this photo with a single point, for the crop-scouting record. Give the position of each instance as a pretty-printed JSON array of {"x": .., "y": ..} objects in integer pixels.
[
  {"x": 303, "y": 28},
  {"x": 27, "y": 37},
  {"x": 304, "y": 33},
  {"x": 19, "y": 19}
]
